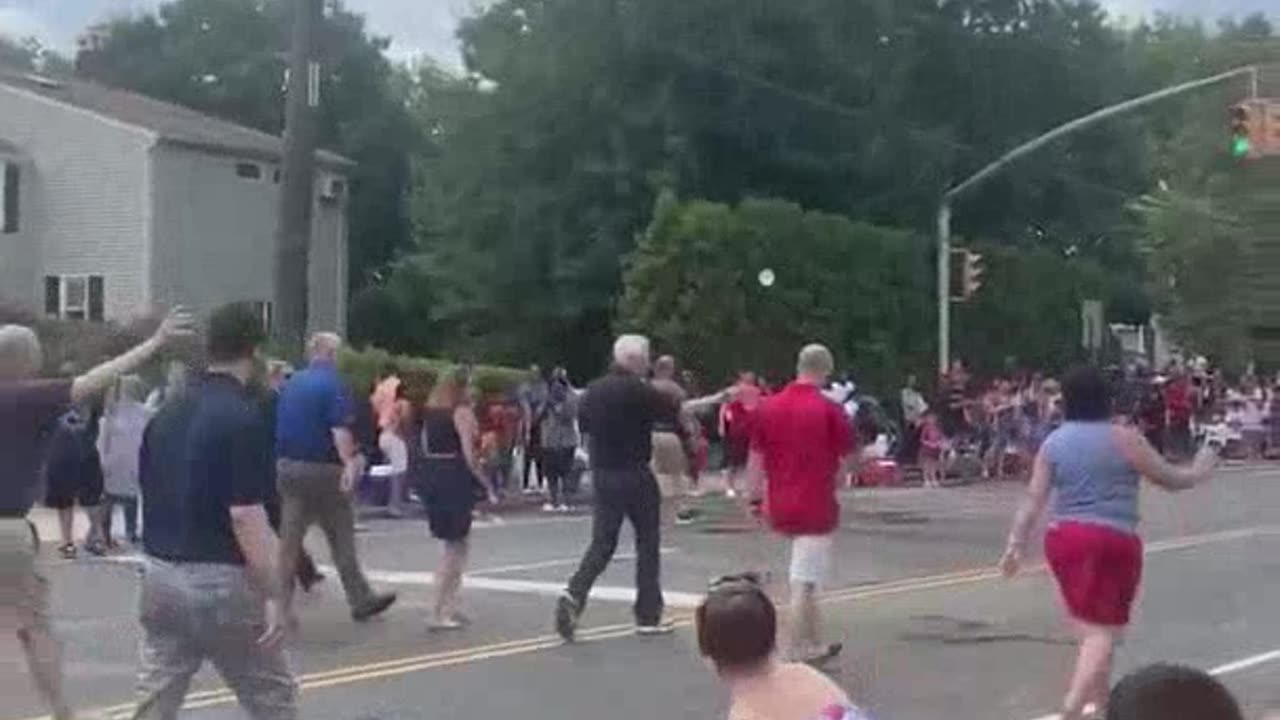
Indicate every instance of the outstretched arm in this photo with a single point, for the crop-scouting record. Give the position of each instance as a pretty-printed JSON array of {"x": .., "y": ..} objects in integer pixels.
[
  {"x": 176, "y": 324},
  {"x": 1155, "y": 468}
]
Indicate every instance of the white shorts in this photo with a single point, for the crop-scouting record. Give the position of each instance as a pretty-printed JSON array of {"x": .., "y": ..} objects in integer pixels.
[{"x": 811, "y": 559}]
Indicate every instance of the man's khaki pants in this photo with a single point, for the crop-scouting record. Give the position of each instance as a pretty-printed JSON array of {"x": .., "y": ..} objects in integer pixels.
[
  {"x": 311, "y": 493},
  {"x": 24, "y": 604}
]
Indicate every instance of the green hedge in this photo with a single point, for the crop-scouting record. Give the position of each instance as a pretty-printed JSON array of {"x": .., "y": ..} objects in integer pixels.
[{"x": 419, "y": 374}]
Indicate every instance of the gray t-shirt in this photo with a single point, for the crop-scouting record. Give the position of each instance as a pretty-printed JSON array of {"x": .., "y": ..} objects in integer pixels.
[{"x": 28, "y": 409}]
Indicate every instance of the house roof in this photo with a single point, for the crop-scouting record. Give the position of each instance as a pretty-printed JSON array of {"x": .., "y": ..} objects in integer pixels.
[{"x": 173, "y": 124}]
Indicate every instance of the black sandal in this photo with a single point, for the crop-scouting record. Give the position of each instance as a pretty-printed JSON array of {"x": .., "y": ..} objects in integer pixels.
[{"x": 68, "y": 551}]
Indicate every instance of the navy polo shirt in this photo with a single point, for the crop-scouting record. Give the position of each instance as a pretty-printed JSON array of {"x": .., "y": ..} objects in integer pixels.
[
  {"x": 311, "y": 404},
  {"x": 213, "y": 449},
  {"x": 162, "y": 470}
]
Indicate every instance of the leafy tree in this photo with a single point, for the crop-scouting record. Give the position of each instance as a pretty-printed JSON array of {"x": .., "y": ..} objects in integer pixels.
[
  {"x": 29, "y": 54},
  {"x": 693, "y": 284},
  {"x": 546, "y": 159},
  {"x": 1206, "y": 225},
  {"x": 227, "y": 58}
]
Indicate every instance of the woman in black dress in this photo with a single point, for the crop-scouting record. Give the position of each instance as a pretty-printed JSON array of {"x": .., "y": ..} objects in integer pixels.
[{"x": 450, "y": 483}]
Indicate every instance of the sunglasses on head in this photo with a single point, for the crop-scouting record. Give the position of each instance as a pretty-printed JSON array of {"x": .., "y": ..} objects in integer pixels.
[{"x": 738, "y": 580}]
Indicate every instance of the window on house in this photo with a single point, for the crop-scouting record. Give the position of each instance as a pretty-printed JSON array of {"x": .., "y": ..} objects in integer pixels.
[
  {"x": 75, "y": 297},
  {"x": 96, "y": 300},
  {"x": 9, "y": 207},
  {"x": 53, "y": 296},
  {"x": 249, "y": 171}
]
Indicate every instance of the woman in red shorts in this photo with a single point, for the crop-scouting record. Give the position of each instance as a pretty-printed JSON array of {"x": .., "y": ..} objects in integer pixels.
[{"x": 1091, "y": 469}]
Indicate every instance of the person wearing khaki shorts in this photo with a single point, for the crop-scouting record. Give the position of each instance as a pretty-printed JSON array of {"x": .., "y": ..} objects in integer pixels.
[
  {"x": 670, "y": 466},
  {"x": 28, "y": 407}
]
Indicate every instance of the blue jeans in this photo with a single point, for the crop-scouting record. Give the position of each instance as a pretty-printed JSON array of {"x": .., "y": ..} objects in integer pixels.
[{"x": 192, "y": 612}]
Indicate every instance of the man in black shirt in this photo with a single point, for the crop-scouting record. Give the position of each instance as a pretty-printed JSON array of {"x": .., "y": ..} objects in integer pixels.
[
  {"x": 618, "y": 413},
  {"x": 211, "y": 589}
]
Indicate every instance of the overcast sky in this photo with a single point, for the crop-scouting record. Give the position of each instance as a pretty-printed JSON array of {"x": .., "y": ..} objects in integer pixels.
[{"x": 426, "y": 26}]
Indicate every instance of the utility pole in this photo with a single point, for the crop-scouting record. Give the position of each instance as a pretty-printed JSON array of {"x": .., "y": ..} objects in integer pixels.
[
  {"x": 297, "y": 193},
  {"x": 1080, "y": 123}
]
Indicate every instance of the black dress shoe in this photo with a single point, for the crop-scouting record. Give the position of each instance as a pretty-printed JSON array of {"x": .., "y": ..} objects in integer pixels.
[{"x": 375, "y": 605}]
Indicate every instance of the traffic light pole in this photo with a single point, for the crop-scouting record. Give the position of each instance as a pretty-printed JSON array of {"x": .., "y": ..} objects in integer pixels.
[{"x": 1068, "y": 128}]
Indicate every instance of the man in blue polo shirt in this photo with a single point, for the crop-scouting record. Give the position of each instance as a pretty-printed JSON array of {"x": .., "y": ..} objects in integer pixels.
[
  {"x": 211, "y": 589},
  {"x": 317, "y": 465}
]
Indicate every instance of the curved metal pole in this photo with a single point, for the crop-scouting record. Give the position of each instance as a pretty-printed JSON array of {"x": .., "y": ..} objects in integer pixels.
[{"x": 944, "y": 208}]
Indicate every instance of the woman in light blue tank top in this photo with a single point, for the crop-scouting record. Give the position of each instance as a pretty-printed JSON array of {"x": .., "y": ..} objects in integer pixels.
[{"x": 1087, "y": 472}]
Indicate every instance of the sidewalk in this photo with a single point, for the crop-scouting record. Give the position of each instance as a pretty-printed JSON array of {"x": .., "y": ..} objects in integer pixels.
[{"x": 46, "y": 522}]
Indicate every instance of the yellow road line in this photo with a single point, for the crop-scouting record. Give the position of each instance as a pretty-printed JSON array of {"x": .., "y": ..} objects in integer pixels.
[{"x": 417, "y": 663}]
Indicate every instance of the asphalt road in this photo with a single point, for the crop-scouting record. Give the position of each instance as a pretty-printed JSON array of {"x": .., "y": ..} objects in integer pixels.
[{"x": 930, "y": 631}]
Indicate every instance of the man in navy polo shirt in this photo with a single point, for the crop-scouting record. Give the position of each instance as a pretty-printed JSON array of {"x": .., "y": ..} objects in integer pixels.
[
  {"x": 317, "y": 465},
  {"x": 211, "y": 589}
]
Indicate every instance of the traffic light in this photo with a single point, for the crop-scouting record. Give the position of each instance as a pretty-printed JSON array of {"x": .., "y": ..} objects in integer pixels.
[
  {"x": 966, "y": 273},
  {"x": 973, "y": 271},
  {"x": 1242, "y": 136}
]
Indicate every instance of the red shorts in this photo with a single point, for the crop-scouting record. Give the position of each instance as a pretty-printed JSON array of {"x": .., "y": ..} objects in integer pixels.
[{"x": 1097, "y": 569}]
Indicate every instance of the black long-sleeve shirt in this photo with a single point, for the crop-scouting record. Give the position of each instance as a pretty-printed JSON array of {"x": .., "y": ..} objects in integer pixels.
[{"x": 618, "y": 414}]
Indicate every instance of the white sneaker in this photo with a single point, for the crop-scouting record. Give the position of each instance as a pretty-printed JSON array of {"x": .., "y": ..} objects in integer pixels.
[
  {"x": 548, "y": 507},
  {"x": 562, "y": 508},
  {"x": 731, "y": 493},
  {"x": 663, "y": 627}
]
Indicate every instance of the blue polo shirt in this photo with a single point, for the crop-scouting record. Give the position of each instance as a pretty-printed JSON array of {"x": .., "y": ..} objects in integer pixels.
[
  {"x": 202, "y": 456},
  {"x": 311, "y": 404}
]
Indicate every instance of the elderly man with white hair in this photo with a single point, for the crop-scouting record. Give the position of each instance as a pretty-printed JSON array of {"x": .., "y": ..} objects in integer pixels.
[
  {"x": 318, "y": 462},
  {"x": 27, "y": 407},
  {"x": 618, "y": 413}
]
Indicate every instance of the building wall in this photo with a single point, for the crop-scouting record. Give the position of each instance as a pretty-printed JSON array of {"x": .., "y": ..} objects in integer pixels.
[
  {"x": 85, "y": 199},
  {"x": 214, "y": 236}
]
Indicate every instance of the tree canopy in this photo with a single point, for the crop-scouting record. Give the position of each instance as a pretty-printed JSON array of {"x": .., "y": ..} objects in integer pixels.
[
  {"x": 574, "y": 115},
  {"x": 527, "y": 206}
]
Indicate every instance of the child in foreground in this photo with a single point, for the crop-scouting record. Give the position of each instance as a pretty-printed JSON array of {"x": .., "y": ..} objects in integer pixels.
[{"x": 737, "y": 628}]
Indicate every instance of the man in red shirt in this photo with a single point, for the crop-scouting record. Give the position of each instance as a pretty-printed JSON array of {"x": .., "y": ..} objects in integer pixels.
[
  {"x": 799, "y": 444},
  {"x": 1177, "y": 402}
]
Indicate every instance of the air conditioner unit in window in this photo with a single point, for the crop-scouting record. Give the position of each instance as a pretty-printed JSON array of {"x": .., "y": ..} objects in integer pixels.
[{"x": 333, "y": 189}]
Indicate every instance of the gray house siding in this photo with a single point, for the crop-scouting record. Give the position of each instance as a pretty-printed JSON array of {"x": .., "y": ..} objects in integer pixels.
[
  {"x": 86, "y": 198},
  {"x": 212, "y": 230},
  {"x": 214, "y": 236}
]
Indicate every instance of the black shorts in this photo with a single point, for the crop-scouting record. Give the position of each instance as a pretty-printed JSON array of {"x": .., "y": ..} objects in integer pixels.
[
  {"x": 449, "y": 523},
  {"x": 65, "y": 492}
]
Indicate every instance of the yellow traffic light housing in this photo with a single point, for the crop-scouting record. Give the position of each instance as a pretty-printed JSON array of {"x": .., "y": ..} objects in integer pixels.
[{"x": 966, "y": 273}]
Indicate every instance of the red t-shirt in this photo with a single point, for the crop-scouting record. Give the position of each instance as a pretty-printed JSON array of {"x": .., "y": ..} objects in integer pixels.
[
  {"x": 1177, "y": 398},
  {"x": 803, "y": 436}
]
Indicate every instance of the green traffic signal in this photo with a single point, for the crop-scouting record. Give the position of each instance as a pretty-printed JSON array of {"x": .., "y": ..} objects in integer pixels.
[{"x": 1240, "y": 146}]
